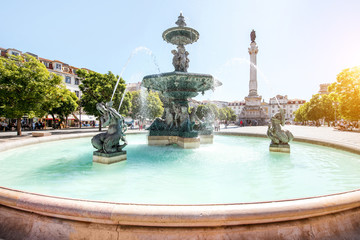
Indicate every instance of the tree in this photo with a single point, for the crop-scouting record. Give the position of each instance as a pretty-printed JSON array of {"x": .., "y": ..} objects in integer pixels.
[
  {"x": 146, "y": 105},
  {"x": 24, "y": 85},
  {"x": 205, "y": 110},
  {"x": 319, "y": 107},
  {"x": 67, "y": 105},
  {"x": 227, "y": 114},
  {"x": 60, "y": 101},
  {"x": 98, "y": 88},
  {"x": 300, "y": 113},
  {"x": 347, "y": 93}
]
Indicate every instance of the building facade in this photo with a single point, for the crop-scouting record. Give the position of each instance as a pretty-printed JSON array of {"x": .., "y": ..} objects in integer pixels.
[
  {"x": 289, "y": 105},
  {"x": 237, "y": 107},
  {"x": 324, "y": 88}
]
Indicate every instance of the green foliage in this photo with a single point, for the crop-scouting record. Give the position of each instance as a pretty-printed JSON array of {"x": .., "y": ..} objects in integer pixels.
[
  {"x": 97, "y": 88},
  {"x": 346, "y": 93},
  {"x": 146, "y": 105},
  {"x": 67, "y": 104},
  {"x": 205, "y": 110},
  {"x": 227, "y": 114},
  {"x": 319, "y": 107},
  {"x": 25, "y": 83}
]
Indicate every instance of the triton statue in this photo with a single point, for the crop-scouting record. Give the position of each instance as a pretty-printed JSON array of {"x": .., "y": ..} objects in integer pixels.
[
  {"x": 109, "y": 142},
  {"x": 279, "y": 138}
]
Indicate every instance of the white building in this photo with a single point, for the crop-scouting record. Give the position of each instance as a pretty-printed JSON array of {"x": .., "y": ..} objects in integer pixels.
[
  {"x": 237, "y": 107},
  {"x": 71, "y": 80},
  {"x": 289, "y": 105}
]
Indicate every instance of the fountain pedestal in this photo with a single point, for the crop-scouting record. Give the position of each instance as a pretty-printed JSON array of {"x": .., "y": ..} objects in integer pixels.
[
  {"x": 108, "y": 158},
  {"x": 284, "y": 148},
  {"x": 186, "y": 143},
  {"x": 206, "y": 139}
]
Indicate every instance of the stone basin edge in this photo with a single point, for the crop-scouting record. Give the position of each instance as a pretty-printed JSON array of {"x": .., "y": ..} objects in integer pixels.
[{"x": 178, "y": 215}]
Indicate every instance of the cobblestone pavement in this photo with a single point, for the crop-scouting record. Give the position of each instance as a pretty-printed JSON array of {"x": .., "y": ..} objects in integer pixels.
[{"x": 327, "y": 134}]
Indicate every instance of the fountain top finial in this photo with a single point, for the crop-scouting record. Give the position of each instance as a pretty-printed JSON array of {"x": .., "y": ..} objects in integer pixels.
[{"x": 181, "y": 21}]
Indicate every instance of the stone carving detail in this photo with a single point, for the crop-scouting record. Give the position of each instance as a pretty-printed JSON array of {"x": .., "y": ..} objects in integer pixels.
[
  {"x": 180, "y": 59},
  {"x": 181, "y": 21},
  {"x": 109, "y": 142},
  {"x": 275, "y": 133}
]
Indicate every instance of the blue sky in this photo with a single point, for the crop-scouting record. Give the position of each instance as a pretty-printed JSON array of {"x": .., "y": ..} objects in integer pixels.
[{"x": 302, "y": 43}]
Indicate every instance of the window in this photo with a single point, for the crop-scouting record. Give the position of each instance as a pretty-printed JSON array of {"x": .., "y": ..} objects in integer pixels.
[
  {"x": 15, "y": 53},
  {"x": 58, "y": 66},
  {"x": 77, "y": 94},
  {"x": 68, "y": 79},
  {"x": 77, "y": 81}
]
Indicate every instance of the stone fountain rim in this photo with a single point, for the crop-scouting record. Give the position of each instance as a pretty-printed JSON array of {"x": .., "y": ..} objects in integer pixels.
[
  {"x": 177, "y": 73},
  {"x": 177, "y": 215},
  {"x": 188, "y": 29}
]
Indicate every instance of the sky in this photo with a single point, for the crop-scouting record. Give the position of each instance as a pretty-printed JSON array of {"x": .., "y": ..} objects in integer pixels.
[{"x": 302, "y": 43}]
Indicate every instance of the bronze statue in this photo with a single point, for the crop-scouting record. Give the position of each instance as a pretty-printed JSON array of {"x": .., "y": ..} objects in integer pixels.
[
  {"x": 253, "y": 35},
  {"x": 108, "y": 142},
  {"x": 275, "y": 133}
]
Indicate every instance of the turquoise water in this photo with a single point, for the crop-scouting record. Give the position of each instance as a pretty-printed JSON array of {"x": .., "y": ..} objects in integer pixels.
[{"x": 232, "y": 170}]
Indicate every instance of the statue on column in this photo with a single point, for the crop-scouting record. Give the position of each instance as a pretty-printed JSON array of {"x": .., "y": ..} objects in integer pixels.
[{"x": 253, "y": 36}]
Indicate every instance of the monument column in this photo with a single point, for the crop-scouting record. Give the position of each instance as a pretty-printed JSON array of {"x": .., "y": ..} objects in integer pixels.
[{"x": 253, "y": 50}]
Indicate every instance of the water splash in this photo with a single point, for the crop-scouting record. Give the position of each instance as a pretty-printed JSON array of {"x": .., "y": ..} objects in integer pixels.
[
  {"x": 122, "y": 98},
  {"x": 136, "y": 50}
]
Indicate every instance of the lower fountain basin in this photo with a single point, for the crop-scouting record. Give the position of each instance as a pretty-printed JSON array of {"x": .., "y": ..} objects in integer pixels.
[
  {"x": 33, "y": 215},
  {"x": 179, "y": 85}
]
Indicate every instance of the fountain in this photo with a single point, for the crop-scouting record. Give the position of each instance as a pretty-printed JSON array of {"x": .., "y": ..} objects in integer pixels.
[
  {"x": 177, "y": 125},
  {"x": 234, "y": 188}
]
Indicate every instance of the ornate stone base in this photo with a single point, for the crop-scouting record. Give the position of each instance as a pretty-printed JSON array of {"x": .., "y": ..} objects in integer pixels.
[
  {"x": 168, "y": 140},
  {"x": 285, "y": 148},
  {"x": 206, "y": 139},
  {"x": 108, "y": 158}
]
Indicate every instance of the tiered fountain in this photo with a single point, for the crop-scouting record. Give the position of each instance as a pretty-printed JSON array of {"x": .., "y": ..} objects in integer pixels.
[{"x": 178, "y": 125}]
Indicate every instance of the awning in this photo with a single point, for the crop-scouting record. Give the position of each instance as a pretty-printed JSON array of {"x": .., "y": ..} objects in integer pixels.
[
  {"x": 49, "y": 117},
  {"x": 85, "y": 117}
]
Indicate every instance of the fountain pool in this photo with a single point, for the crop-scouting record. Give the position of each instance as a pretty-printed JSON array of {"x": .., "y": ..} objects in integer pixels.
[
  {"x": 232, "y": 170},
  {"x": 234, "y": 187}
]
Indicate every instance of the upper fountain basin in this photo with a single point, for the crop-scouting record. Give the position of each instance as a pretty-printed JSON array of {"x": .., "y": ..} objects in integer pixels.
[
  {"x": 180, "y": 35},
  {"x": 180, "y": 85}
]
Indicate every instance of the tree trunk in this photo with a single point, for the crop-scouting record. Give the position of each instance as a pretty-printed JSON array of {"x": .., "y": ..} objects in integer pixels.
[
  {"x": 100, "y": 126},
  {"x": 54, "y": 123},
  {"x": 18, "y": 126},
  {"x": 66, "y": 122}
]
